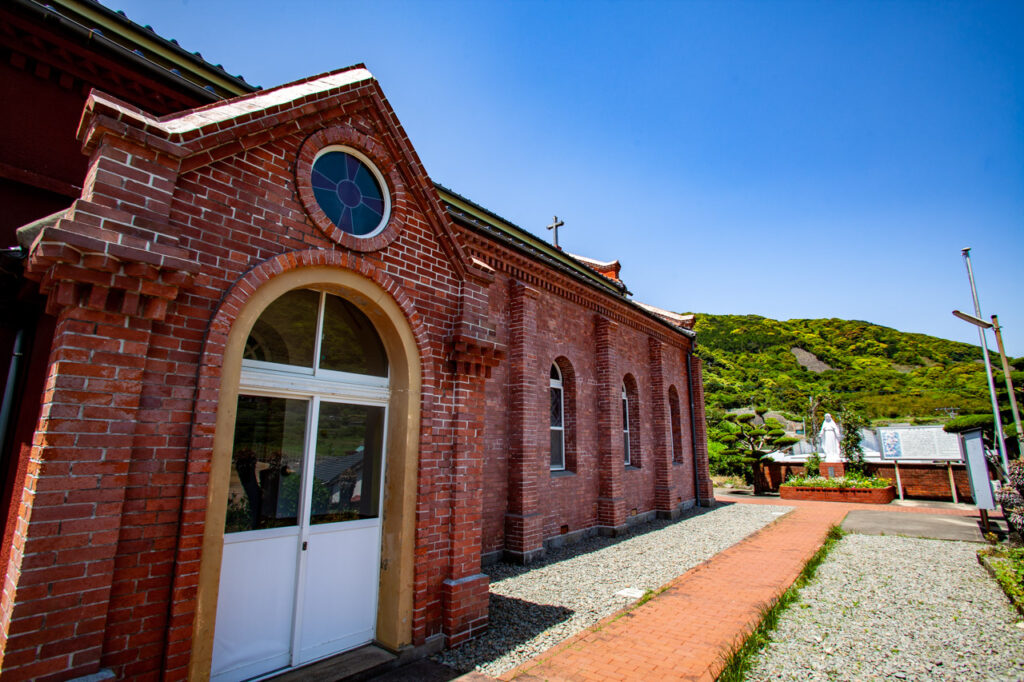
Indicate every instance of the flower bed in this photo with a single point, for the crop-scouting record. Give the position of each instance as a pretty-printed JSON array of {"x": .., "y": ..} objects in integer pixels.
[
  {"x": 859, "y": 495},
  {"x": 860, "y": 489}
]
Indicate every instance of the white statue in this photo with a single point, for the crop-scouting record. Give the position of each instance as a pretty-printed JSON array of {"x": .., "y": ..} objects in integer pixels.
[{"x": 829, "y": 438}]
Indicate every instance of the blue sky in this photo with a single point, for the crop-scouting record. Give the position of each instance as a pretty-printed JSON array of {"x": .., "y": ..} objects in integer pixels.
[{"x": 787, "y": 159}]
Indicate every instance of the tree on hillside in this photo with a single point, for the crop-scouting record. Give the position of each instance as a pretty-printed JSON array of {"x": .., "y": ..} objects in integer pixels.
[
  {"x": 984, "y": 420},
  {"x": 751, "y": 437},
  {"x": 850, "y": 423},
  {"x": 889, "y": 374}
]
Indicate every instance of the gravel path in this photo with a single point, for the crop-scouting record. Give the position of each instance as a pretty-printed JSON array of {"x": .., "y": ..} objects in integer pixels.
[
  {"x": 887, "y": 607},
  {"x": 536, "y": 607}
]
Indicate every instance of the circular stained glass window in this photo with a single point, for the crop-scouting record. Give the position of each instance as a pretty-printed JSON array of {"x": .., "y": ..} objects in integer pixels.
[{"x": 350, "y": 192}]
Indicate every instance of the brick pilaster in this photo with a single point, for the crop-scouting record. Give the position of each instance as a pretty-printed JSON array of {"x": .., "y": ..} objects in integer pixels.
[
  {"x": 474, "y": 354},
  {"x": 705, "y": 492},
  {"x": 524, "y": 537},
  {"x": 611, "y": 504},
  {"x": 57, "y": 587},
  {"x": 660, "y": 430},
  {"x": 466, "y": 588}
]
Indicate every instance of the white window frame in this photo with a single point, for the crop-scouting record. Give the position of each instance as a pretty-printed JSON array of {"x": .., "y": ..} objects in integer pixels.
[
  {"x": 625, "y": 426},
  {"x": 297, "y": 380},
  {"x": 557, "y": 383}
]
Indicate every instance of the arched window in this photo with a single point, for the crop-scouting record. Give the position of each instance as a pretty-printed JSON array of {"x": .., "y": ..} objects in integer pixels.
[
  {"x": 625, "y": 426},
  {"x": 562, "y": 402},
  {"x": 308, "y": 445},
  {"x": 677, "y": 430},
  {"x": 557, "y": 402},
  {"x": 630, "y": 423}
]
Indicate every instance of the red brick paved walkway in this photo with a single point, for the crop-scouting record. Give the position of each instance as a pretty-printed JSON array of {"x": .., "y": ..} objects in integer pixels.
[{"x": 684, "y": 632}]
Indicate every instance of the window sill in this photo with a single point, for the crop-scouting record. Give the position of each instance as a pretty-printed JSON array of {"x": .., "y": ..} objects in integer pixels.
[
  {"x": 562, "y": 473},
  {"x": 631, "y": 467}
]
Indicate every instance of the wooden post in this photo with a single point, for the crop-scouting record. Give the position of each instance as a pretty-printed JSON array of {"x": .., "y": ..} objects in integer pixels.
[{"x": 952, "y": 482}]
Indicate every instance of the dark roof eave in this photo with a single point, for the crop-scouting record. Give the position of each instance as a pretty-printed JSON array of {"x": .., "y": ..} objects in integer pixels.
[
  {"x": 515, "y": 231},
  {"x": 156, "y": 70},
  {"x": 494, "y": 233}
]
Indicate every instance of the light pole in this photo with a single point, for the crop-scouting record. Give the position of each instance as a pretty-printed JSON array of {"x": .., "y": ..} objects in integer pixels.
[
  {"x": 966, "y": 252},
  {"x": 1009, "y": 384},
  {"x": 994, "y": 326}
]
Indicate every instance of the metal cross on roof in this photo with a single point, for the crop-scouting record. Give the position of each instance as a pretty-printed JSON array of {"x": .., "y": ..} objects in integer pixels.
[{"x": 554, "y": 226}]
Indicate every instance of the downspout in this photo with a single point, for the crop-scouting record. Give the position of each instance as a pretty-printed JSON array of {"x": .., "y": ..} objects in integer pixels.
[
  {"x": 7, "y": 406},
  {"x": 693, "y": 424},
  {"x": 17, "y": 253}
]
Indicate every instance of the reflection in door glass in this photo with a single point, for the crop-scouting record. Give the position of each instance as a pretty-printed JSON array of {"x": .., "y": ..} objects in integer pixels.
[
  {"x": 266, "y": 463},
  {"x": 350, "y": 342},
  {"x": 349, "y": 443},
  {"x": 286, "y": 331}
]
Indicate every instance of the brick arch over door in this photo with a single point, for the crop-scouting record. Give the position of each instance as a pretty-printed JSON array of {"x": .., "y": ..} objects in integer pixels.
[{"x": 198, "y": 566}]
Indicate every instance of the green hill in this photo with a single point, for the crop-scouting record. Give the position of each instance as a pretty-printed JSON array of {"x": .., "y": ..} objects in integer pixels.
[{"x": 886, "y": 374}]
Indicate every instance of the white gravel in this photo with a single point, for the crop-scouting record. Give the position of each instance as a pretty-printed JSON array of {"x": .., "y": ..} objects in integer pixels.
[
  {"x": 535, "y": 607},
  {"x": 896, "y": 608}
]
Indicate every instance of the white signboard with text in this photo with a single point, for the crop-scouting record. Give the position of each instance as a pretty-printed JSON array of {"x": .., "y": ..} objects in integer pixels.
[{"x": 918, "y": 443}]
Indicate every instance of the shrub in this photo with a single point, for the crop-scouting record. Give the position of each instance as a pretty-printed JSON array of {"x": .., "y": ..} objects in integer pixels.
[
  {"x": 1011, "y": 497},
  {"x": 813, "y": 464},
  {"x": 851, "y": 480}
]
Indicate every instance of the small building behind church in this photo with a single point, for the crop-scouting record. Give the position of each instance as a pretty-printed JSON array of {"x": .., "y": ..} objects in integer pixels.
[{"x": 287, "y": 396}]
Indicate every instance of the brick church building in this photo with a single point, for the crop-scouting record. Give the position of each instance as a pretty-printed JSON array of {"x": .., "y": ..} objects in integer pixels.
[{"x": 285, "y": 396}]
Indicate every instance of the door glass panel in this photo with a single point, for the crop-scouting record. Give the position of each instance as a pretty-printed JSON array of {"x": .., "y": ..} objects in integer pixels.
[
  {"x": 350, "y": 341},
  {"x": 286, "y": 331},
  {"x": 266, "y": 463},
  {"x": 346, "y": 475}
]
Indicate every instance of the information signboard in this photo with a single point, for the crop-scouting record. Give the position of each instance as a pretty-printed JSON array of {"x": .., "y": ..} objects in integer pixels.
[
  {"x": 977, "y": 470},
  {"x": 918, "y": 443}
]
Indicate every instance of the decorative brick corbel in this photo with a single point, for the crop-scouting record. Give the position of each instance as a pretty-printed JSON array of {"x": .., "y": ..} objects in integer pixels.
[
  {"x": 115, "y": 250},
  {"x": 96, "y": 269},
  {"x": 474, "y": 356}
]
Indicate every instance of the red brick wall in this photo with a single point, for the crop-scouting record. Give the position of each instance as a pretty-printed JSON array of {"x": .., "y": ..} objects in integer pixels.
[
  {"x": 928, "y": 480},
  {"x": 560, "y": 325},
  {"x": 127, "y": 330},
  {"x": 146, "y": 276}
]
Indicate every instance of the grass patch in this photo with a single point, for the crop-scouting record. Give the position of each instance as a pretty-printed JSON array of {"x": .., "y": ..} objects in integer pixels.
[
  {"x": 729, "y": 482},
  {"x": 741, "y": 658},
  {"x": 1008, "y": 567}
]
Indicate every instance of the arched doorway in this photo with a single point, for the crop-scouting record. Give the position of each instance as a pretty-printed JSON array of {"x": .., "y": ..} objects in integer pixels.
[{"x": 307, "y": 548}]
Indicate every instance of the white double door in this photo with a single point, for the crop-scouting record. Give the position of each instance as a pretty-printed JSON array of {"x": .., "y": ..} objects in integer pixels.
[{"x": 300, "y": 592}]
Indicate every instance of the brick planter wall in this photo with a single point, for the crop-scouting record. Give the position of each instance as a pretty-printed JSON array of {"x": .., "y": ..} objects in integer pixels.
[{"x": 858, "y": 495}]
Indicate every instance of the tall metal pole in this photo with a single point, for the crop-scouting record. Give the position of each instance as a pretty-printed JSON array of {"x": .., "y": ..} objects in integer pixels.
[
  {"x": 1009, "y": 383},
  {"x": 988, "y": 365}
]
